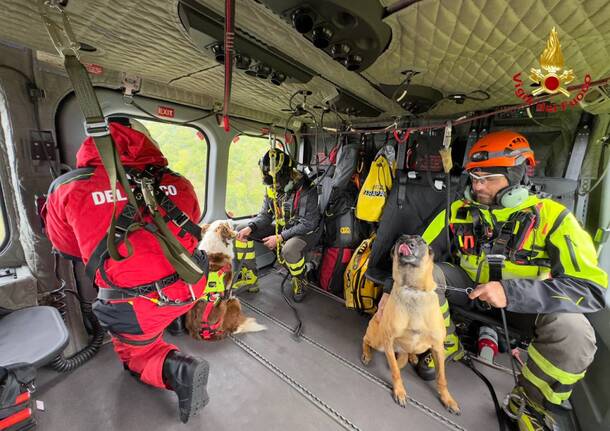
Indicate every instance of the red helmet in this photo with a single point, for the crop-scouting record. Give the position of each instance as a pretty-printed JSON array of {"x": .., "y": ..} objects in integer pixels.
[{"x": 500, "y": 149}]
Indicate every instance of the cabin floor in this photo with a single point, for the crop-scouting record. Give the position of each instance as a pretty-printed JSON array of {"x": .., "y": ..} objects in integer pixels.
[{"x": 271, "y": 381}]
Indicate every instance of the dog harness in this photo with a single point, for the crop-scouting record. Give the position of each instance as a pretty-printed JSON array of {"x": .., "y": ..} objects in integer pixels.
[{"x": 214, "y": 292}]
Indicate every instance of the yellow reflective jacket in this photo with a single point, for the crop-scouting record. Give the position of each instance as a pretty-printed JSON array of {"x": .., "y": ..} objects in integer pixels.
[
  {"x": 374, "y": 191},
  {"x": 551, "y": 264}
]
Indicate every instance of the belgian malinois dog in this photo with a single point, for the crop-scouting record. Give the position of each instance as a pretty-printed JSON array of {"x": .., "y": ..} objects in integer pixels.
[{"x": 411, "y": 321}]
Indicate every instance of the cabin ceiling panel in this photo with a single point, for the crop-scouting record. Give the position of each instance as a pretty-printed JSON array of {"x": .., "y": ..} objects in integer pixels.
[
  {"x": 465, "y": 45},
  {"x": 147, "y": 39},
  {"x": 459, "y": 46}
]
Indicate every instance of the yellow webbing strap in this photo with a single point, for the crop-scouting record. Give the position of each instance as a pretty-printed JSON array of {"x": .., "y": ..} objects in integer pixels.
[{"x": 276, "y": 210}]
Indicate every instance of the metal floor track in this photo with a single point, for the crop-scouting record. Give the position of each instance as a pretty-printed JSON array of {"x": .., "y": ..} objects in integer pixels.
[{"x": 270, "y": 381}]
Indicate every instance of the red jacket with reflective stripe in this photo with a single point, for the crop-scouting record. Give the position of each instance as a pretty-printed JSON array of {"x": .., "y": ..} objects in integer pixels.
[{"x": 79, "y": 208}]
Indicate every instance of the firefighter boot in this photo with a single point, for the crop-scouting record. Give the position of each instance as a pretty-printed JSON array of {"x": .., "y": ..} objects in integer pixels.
[
  {"x": 298, "y": 288},
  {"x": 177, "y": 326},
  {"x": 247, "y": 277},
  {"x": 529, "y": 415},
  {"x": 187, "y": 376},
  {"x": 245, "y": 259},
  {"x": 453, "y": 350}
]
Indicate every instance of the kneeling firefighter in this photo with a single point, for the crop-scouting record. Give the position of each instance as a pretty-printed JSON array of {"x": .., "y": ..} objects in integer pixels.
[
  {"x": 141, "y": 295},
  {"x": 289, "y": 216},
  {"x": 529, "y": 255}
]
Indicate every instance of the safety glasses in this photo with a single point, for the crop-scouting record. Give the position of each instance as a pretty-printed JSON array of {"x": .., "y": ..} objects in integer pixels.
[{"x": 484, "y": 179}]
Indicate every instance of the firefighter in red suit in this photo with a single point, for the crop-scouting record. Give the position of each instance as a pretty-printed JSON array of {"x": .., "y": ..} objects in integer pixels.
[{"x": 77, "y": 215}]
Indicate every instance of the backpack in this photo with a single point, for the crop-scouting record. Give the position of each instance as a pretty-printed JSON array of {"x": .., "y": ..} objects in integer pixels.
[
  {"x": 374, "y": 191},
  {"x": 341, "y": 227},
  {"x": 337, "y": 176},
  {"x": 15, "y": 400},
  {"x": 360, "y": 293},
  {"x": 334, "y": 263}
]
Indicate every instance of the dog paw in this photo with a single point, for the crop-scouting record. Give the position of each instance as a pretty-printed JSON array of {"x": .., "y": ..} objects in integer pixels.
[
  {"x": 451, "y": 405},
  {"x": 400, "y": 396},
  {"x": 413, "y": 359},
  {"x": 365, "y": 359}
]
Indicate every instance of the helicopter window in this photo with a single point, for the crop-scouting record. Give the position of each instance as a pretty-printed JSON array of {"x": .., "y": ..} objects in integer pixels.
[
  {"x": 186, "y": 150},
  {"x": 245, "y": 189}
]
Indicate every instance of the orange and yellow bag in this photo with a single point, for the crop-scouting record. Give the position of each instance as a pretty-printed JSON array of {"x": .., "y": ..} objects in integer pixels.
[{"x": 360, "y": 293}]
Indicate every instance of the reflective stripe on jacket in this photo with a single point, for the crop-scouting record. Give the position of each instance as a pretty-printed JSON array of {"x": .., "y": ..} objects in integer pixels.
[{"x": 555, "y": 269}]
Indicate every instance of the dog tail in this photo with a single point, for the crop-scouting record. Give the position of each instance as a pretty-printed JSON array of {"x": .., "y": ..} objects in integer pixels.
[{"x": 250, "y": 325}]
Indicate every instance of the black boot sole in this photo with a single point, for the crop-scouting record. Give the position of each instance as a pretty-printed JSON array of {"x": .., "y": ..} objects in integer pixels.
[
  {"x": 298, "y": 298},
  {"x": 199, "y": 395}
]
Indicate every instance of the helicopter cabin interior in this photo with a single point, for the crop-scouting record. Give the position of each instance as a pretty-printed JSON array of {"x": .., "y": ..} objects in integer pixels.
[{"x": 323, "y": 81}]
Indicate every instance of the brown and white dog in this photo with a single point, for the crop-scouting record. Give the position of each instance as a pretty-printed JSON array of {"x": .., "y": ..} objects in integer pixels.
[
  {"x": 411, "y": 321},
  {"x": 217, "y": 242}
]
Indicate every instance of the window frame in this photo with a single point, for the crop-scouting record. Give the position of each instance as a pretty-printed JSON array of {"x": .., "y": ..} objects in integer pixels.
[
  {"x": 6, "y": 221},
  {"x": 207, "y": 144}
]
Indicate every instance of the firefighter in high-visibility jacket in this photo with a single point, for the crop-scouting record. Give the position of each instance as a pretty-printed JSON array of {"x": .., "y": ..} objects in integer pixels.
[
  {"x": 289, "y": 216},
  {"x": 529, "y": 255}
]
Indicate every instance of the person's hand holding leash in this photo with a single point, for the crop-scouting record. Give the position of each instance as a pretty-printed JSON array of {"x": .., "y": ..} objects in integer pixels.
[
  {"x": 243, "y": 234},
  {"x": 271, "y": 241},
  {"x": 492, "y": 293}
]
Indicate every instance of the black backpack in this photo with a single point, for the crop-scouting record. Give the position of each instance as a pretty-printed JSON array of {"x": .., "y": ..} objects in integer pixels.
[
  {"x": 15, "y": 401},
  {"x": 342, "y": 228}
]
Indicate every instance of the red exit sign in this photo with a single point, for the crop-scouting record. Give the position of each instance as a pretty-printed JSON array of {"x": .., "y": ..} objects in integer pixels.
[
  {"x": 166, "y": 111},
  {"x": 94, "y": 69}
]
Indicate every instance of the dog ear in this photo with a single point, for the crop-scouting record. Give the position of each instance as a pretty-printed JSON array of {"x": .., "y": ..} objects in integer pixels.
[
  {"x": 392, "y": 251},
  {"x": 204, "y": 228},
  {"x": 226, "y": 232},
  {"x": 431, "y": 253}
]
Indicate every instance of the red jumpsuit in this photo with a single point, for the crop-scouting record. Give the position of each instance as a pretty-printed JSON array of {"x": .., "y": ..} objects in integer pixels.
[{"x": 77, "y": 216}]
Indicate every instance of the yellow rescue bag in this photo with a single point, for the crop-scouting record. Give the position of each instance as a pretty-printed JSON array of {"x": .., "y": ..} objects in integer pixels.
[
  {"x": 359, "y": 292},
  {"x": 374, "y": 191}
]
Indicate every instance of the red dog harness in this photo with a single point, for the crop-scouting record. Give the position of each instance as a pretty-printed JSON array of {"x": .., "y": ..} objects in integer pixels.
[{"x": 214, "y": 292}]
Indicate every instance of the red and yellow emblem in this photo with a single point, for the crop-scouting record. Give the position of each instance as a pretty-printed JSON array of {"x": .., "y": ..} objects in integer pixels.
[{"x": 551, "y": 61}]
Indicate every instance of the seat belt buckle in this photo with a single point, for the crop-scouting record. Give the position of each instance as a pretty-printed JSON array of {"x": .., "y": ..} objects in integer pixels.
[
  {"x": 181, "y": 220},
  {"x": 97, "y": 129},
  {"x": 496, "y": 264},
  {"x": 496, "y": 260}
]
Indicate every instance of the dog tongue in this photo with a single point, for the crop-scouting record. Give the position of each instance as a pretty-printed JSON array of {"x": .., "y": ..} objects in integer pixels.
[{"x": 404, "y": 250}]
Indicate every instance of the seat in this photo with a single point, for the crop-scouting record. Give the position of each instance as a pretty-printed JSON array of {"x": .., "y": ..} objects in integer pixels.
[
  {"x": 562, "y": 190},
  {"x": 423, "y": 200},
  {"x": 34, "y": 336},
  {"x": 380, "y": 276}
]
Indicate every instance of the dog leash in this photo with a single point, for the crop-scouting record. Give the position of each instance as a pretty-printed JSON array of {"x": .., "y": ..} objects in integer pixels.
[
  {"x": 468, "y": 361},
  {"x": 297, "y": 331},
  {"x": 464, "y": 290}
]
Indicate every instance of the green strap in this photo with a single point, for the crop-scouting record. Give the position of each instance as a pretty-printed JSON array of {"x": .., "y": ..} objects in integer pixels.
[
  {"x": 182, "y": 261},
  {"x": 97, "y": 128}
]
